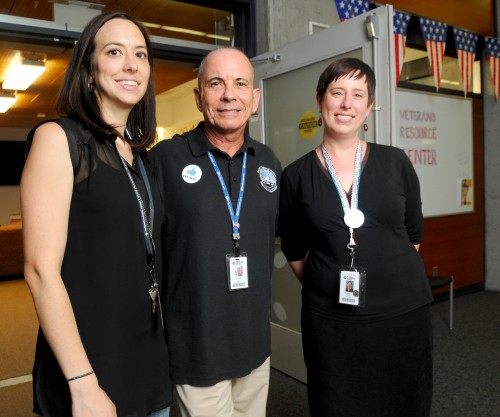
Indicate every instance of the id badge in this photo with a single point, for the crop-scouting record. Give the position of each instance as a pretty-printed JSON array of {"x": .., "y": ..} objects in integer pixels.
[
  {"x": 352, "y": 286},
  {"x": 237, "y": 271}
]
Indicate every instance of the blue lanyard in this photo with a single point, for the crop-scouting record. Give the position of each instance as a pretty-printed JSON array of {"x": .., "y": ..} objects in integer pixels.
[{"x": 235, "y": 215}]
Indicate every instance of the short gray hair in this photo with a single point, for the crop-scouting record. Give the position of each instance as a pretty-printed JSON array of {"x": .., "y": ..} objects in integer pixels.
[{"x": 201, "y": 67}]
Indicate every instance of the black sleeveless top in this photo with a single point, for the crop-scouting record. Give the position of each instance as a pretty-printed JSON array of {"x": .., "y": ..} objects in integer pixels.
[{"x": 106, "y": 275}]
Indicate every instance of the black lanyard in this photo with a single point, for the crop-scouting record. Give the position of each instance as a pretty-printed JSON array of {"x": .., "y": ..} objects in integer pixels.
[
  {"x": 147, "y": 229},
  {"x": 146, "y": 226}
]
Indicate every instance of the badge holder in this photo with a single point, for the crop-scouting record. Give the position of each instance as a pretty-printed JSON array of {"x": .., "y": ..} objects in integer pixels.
[
  {"x": 237, "y": 267},
  {"x": 352, "y": 287},
  {"x": 352, "y": 281}
]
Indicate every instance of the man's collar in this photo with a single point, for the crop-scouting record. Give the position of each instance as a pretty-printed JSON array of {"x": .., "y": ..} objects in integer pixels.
[{"x": 200, "y": 145}]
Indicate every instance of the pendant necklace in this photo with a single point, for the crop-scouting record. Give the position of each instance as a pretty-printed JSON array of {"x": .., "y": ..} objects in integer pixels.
[{"x": 353, "y": 217}]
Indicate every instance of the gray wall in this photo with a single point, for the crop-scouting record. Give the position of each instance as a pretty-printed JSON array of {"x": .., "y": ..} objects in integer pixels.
[
  {"x": 492, "y": 176},
  {"x": 283, "y": 21}
]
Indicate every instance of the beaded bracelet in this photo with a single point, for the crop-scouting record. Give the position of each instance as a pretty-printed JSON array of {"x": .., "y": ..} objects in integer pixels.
[{"x": 80, "y": 376}]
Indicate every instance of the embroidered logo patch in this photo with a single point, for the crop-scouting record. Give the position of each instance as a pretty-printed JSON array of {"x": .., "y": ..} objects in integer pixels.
[
  {"x": 191, "y": 174},
  {"x": 267, "y": 179}
]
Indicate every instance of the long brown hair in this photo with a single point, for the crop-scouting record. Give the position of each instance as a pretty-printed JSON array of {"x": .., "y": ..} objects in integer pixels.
[{"x": 77, "y": 101}]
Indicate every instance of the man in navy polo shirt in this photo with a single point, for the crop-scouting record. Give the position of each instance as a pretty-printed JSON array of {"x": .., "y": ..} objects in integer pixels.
[{"x": 220, "y": 195}]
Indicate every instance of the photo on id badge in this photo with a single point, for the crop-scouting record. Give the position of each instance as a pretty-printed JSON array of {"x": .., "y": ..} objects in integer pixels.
[
  {"x": 237, "y": 272},
  {"x": 351, "y": 286}
]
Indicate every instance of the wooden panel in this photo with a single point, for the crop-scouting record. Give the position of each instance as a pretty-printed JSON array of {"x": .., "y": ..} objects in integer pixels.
[
  {"x": 32, "y": 9},
  {"x": 170, "y": 74},
  {"x": 455, "y": 244},
  {"x": 476, "y": 16},
  {"x": 179, "y": 14},
  {"x": 11, "y": 250}
]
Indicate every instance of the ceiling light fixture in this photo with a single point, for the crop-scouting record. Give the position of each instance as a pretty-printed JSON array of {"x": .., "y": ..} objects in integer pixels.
[
  {"x": 6, "y": 101},
  {"x": 187, "y": 31},
  {"x": 23, "y": 74},
  {"x": 152, "y": 25},
  {"x": 219, "y": 37},
  {"x": 183, "y": 30}
]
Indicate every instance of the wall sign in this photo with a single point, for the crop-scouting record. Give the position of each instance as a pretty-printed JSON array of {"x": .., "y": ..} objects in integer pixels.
[{"x": 435, "y": 131}]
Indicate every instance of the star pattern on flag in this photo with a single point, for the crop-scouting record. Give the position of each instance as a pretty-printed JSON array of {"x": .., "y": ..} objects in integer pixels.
[
  {"x": 465, "y": 44},
  {"x": 493, "y": 52},
  {"x": 401, "y": 20},
  {"x": 434, "y": 34},
  {"x": 351, "y": 8}
]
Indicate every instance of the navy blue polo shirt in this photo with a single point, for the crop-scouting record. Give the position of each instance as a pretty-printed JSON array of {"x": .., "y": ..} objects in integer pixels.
[{"x": 215, "y": 334}]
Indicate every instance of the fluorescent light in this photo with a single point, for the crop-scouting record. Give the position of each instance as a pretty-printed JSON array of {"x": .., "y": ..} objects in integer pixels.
[
  {"x": 152, "y": 25},
  {"x": 444, "y": 81},
  {"x": 6, "y": 100},
  {"x": 219, "y": 37},
  {"x": 187, "y": 31},
  {"x": 182, "y": 30},
  {"x": 23, "y": 74}
]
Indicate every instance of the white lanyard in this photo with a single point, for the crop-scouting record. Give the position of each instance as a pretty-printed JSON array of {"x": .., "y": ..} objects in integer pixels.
[{"x": 353, "y": 217}]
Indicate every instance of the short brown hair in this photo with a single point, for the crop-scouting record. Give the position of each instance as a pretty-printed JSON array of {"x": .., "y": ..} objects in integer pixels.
[{"x": 351, "y": 67}]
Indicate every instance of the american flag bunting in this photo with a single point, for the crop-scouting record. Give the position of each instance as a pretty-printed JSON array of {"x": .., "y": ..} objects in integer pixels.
[
  {"x": 401, "y": 20},
  {"x": 434, "y": 33},
  {"x": 465, "y": 44},
  {"x": 351, "y": 8},
  {"x": 493, "y": 52}
]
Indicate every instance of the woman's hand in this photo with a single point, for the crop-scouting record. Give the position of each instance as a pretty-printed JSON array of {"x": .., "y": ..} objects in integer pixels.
[
  {"x": 89, "y": 400},
  {"x": 298, "y": 268}
]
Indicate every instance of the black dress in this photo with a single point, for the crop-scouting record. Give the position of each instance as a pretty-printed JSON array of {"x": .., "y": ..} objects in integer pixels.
[
  {"x": 106, "y": 275},
  {"x": 375, "y": 360}
]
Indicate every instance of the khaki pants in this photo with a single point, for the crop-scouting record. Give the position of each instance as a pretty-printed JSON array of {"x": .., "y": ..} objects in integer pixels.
[{"x": 240, "y": 397}]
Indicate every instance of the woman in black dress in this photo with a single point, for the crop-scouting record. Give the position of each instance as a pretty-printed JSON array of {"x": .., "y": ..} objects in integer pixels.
[
  {"x": 90, "y": 220},
  {"x": 351, "y": 224}
]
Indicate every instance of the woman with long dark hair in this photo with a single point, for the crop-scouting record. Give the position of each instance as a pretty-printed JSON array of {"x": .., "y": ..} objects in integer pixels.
[{"x": 90, "y": 224}]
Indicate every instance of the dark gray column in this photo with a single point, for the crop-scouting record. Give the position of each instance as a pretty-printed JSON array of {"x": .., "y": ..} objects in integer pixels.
[{"x": 492, "y": 174}]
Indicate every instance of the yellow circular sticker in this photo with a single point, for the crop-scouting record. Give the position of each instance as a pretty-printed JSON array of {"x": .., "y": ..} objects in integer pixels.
[{"x": 308, "y": 125}]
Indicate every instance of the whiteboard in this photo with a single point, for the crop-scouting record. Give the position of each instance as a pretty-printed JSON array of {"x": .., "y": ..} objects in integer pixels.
[{"x": 435, "y": 131}]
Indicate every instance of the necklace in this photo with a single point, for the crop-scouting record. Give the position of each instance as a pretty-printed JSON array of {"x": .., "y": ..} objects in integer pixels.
[{"x": 353, "y": 217}]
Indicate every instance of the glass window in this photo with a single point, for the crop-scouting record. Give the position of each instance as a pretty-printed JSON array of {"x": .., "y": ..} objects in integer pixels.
[
  {"x": 166, "y": 18},
  {"x": 182, "y": 33}
]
